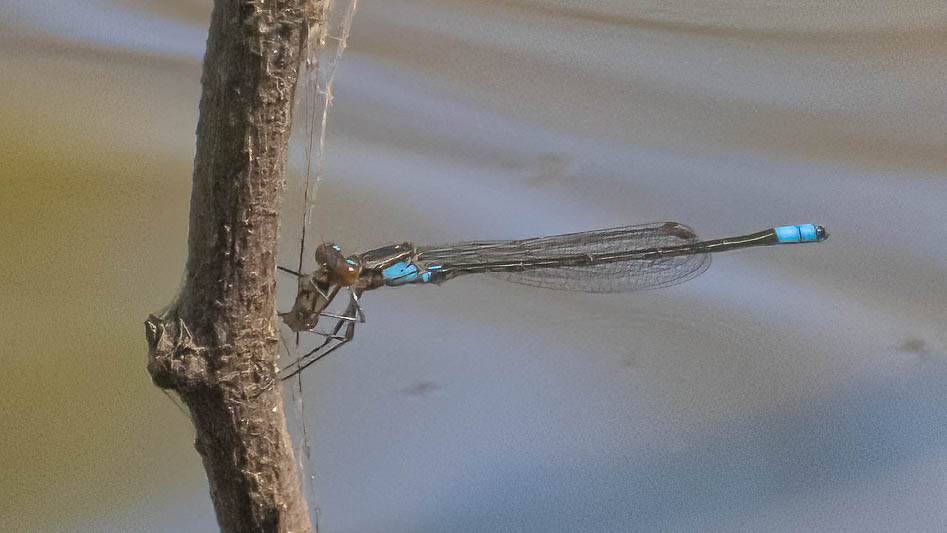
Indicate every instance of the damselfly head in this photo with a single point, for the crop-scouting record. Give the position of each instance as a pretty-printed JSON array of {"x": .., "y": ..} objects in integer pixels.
[
  {"x": 347, "y": 272},
  {"x": 336, "y": 267},
  {"x": 325, "y": 253}
]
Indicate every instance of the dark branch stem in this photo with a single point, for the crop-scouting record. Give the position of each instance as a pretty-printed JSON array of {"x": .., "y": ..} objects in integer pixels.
[{"x": 217, "y": 347}]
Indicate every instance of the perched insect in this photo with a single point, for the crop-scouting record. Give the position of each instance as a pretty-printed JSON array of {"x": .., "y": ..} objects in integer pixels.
[{"x": 619, "y": 259}]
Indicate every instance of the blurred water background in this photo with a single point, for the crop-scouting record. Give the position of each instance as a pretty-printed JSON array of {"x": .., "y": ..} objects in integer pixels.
[{"x": 787, "y": 389}]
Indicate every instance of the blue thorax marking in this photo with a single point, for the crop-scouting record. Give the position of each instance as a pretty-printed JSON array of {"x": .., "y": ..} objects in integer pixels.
[{"x": 406, "y": 272}]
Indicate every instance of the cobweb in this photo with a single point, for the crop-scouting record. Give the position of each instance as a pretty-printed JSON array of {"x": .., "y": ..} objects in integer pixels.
[{"x": 329, "y": 23}]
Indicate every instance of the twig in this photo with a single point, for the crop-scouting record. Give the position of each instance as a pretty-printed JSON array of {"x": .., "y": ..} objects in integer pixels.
[{"x": 216, "y": 346}]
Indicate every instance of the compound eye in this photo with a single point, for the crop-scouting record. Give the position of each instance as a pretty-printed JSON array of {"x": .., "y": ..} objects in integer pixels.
[
  {"x": 324, "y": 253},
  {"x": 336, "y": 267},
  {"x": 348, "y": 270}
]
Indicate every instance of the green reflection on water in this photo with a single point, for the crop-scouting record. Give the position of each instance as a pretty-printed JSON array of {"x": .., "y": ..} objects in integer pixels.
[{"x": 93, "y": 241}]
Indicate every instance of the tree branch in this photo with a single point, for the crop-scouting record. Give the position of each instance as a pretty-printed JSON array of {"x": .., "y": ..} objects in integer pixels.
[{"x": 216, "y": 346}]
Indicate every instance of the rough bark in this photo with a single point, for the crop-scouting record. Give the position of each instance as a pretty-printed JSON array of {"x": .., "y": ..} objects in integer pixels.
[{"x": 217, "y": 346}]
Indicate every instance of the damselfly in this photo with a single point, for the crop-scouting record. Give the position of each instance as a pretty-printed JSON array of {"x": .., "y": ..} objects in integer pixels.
[{"x": 626, "y": 258}]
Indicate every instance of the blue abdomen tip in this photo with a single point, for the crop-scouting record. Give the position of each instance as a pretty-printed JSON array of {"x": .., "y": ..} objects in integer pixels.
[{"x": 797, "y": 233}]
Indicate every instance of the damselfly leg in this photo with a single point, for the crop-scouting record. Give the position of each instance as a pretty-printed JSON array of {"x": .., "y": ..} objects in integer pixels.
[
  {"x": 332, "y": 341},
  {"x": 357, "y": 316}
]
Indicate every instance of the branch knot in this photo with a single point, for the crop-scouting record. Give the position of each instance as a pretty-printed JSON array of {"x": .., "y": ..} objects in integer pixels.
[{"x": 175, "y": 361}]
